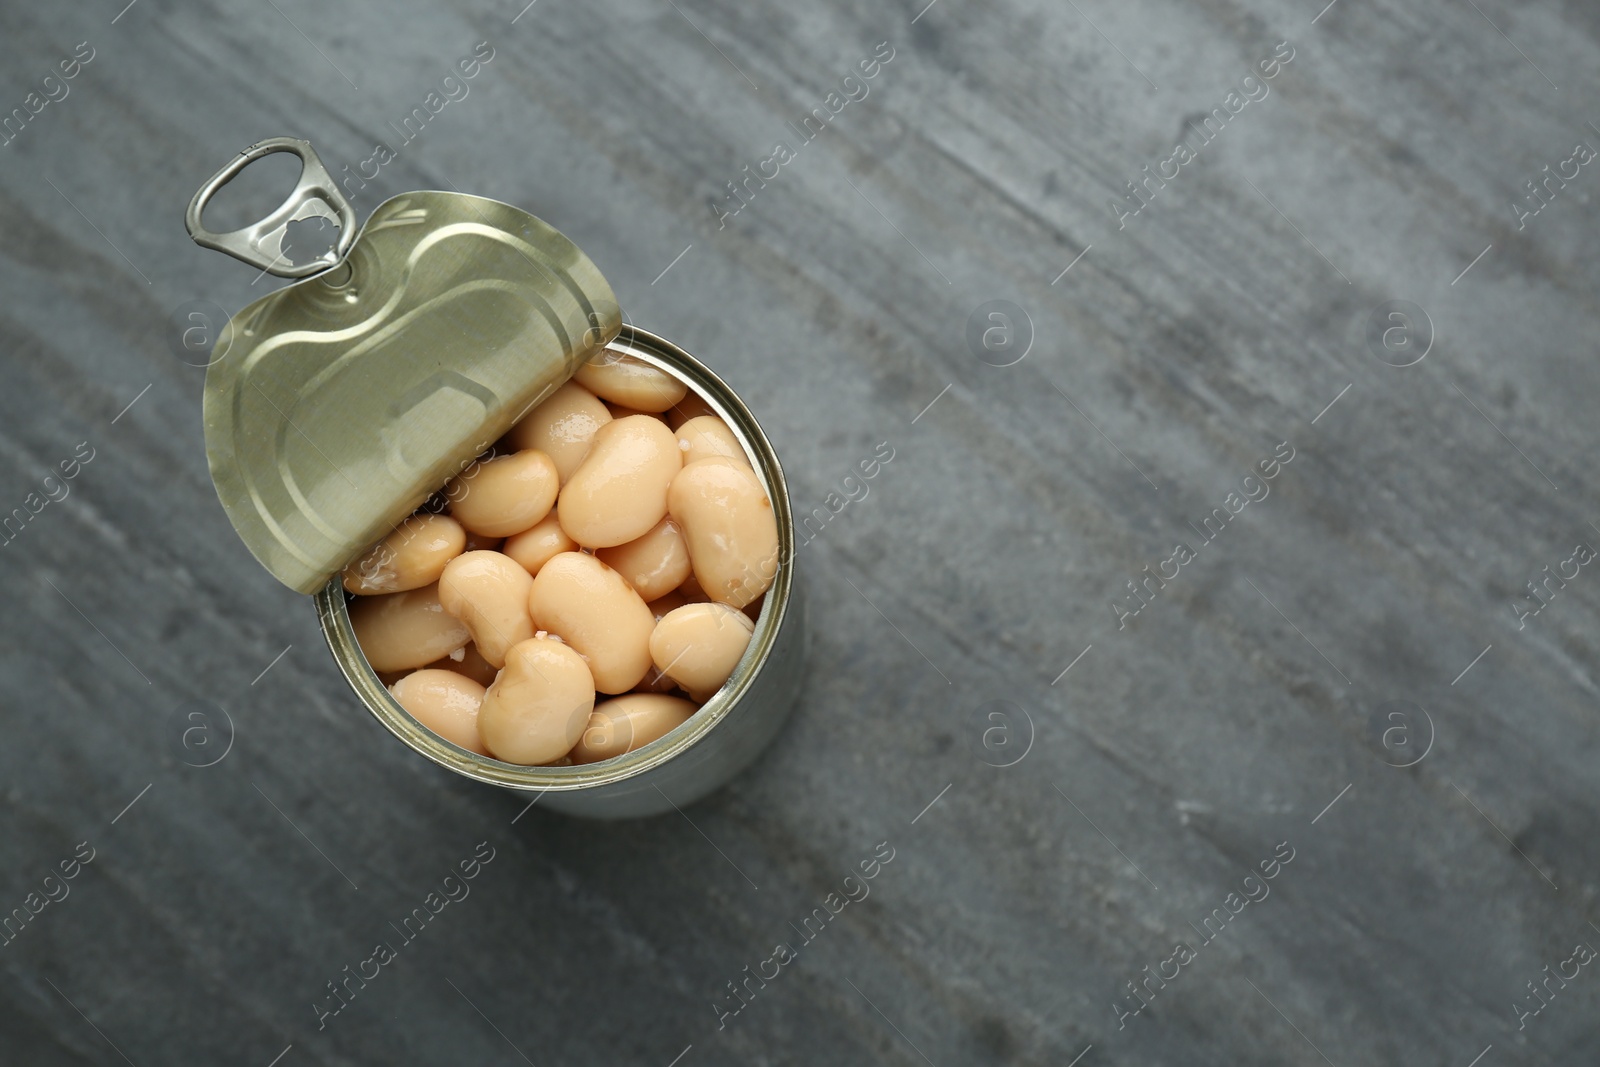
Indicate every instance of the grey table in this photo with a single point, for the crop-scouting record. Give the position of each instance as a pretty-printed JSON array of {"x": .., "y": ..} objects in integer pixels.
[{"x": 1342, "y": 680}]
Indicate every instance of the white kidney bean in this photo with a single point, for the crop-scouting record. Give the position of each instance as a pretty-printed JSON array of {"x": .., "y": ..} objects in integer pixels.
[
  {"x": 402, "y": 631},
  {"x": 505, "y": 495},
  {"x": 698, "y": 645},
  {"x": 446, "y": 703},
  {"x": 533, "y": 548},
  {"x": 539, "y": 704},
  {"x": 729, "y": 525},
  {"x": 620, "y": 491},
  {"x": 562, "y": 427},
  {"x": 630, "y": 382},
  {"x": 654, "y": 564},
  {"x": 489, "y": 593},
  {"x": 625, "y": 723},
  {"x": 594, "y": 610},
  {"x": 411, "y": 557},
  {"x": 708, "y": 436}
]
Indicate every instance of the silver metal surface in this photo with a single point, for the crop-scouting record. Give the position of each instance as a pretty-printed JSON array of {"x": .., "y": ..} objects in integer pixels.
[
  {"x": 338, "y": 403},
  {"x": 260, "y": 244}
]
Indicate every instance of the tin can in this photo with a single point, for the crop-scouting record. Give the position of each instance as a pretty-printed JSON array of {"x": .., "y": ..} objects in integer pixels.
[{"x": 336, "y": 406}]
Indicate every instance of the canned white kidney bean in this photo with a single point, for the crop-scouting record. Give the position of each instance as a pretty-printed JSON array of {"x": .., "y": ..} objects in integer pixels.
[
  {"x": 540, "y": 702},
  {"x": 624, "y": 723},
  {"x": 489, "y": 593},
  {"x": 563, "y": 427},
  {"x": 399, "y": 631},
  {"x": 654, "y": 564},
  {"x": 534, "y": 547},
  {"x": 595, "y": 611},
  {"x": 505, "y": 495},
  {"x": 730, "y": 528},
  {"x": 698, "y": 645},
  {"x": 446, "y": 703},
  {"x": 708, "y": 436},
  {"x": 599, "y": 653},
  {"x": 630, "y": 383},
  {"x": 619, "y": 491},
  {"x": 410, "y": 558}
]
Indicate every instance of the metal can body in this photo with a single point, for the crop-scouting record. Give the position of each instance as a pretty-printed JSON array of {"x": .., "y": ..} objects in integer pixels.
[{"x": 719, "y": 740}]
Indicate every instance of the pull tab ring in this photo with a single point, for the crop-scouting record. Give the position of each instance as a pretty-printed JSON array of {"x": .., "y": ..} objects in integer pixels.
[{"x": 261, "y": 244}]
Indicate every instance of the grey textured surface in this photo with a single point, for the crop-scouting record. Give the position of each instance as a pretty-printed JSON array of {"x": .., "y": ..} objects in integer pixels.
[{"x": 1174, "y": 756}]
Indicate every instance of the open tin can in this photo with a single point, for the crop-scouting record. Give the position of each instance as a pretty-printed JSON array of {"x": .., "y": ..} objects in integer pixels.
[{"x": 338, "y": 405}]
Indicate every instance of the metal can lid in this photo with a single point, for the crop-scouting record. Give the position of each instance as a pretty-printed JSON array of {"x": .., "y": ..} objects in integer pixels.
[{"x": 334, "y": 407}]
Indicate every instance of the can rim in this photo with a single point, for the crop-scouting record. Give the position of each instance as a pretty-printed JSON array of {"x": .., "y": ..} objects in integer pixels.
[{"x": 334, "y": 615}]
